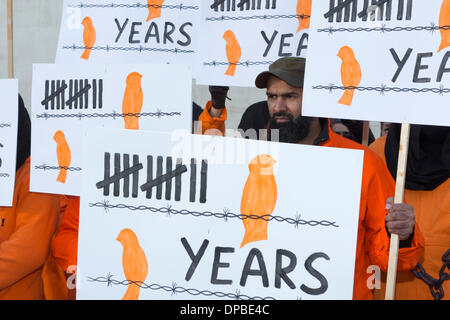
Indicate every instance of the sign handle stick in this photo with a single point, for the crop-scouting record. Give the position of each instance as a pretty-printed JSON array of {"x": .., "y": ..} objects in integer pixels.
[
  {"x": 9, "y": 9},
  {"x": 398, "y": 198},
  {"x": 365, "y": 133}
]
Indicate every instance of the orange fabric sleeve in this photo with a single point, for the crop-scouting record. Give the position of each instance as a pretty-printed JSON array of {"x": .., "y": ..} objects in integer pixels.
[
  {"x": 381, "y": 187},
  {"x": 210, "y": 125},
  {"x": 27, "y": 248},
  {"x": 65, "y": 243},
  {"x": 378, "y": 147}
]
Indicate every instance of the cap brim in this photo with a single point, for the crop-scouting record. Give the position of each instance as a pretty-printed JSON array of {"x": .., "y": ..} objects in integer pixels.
[{"x": 263, "y": 77}]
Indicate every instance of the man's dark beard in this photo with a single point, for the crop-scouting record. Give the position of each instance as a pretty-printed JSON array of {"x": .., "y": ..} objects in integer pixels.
[{"x": 292, "y": 131}]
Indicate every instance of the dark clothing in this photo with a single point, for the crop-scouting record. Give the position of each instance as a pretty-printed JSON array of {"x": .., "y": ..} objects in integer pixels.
[
  {"x": 356, "y": 128},
  {"x": 23, "y": 135},
  {"x": 255, "y": 117},
  {"x": 196, "y": 111},
  {"x": 428, "y": 163}
]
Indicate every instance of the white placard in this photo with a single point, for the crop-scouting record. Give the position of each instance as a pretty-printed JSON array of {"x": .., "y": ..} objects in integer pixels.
[
  {"x": 248, "y": 222},
  {"x": 9, "y": 113},
  {"x": 238, "y": 40},
  {"x": 391, "y": 65},
  {"x": 145, "y": 97},
  {"x": 121, "y": 31}
]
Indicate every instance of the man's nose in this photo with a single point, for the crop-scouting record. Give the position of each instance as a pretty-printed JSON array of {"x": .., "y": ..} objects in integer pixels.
[{"x": 280, "y": 104}]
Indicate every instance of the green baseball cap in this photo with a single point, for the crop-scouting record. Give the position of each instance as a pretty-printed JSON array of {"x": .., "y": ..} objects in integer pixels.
[{"x": 289, "y": 69}]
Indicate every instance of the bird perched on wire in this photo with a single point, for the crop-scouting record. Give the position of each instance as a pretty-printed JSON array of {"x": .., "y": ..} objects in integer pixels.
[
  {"x": 154, "y": 9},
  {"x": 89, "y": 37},
  {"x": 233, "y": 51},
  {"x": 350, "y": 74},
  {"x": 258, "y": 198},
  {"x": 303, "y": 14},
  {"x": 444, "y": 21},
  {"x": 133, "y": 99},
  {"x": 63, "y": 155},
  {"x": 134, "y": 262}
]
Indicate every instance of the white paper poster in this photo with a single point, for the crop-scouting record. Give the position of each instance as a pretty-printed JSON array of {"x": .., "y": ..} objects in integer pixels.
[
  {"x": 135, "y": 97},
  {"x": 240, "y": 39},
  {"x": 153, "y": 31},
  {"x": 382, "y": 62},
  {"x": 201, "y": 217},
  {"x": 9, "y": 93}
]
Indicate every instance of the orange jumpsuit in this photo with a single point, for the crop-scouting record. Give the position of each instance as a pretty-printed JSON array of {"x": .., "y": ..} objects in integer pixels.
[
  {"x": 25, "y": 233},
  {"x": 215, "y": 125},
  {"x": 65, "y": 243},
  {"x": 372, "y": 246},
  {"x": 432, "y": 211}
]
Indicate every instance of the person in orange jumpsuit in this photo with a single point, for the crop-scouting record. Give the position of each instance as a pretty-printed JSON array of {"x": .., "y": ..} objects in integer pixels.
[
  {"x": 284, "y": 88},
  {"x": 212, "y": 120},
  {"x": 26, "y": 228},
  {"x": 427, "y": 188}
]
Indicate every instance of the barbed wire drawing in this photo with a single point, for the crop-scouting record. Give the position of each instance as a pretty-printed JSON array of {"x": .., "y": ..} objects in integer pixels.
[
  {"x": 383, "y": 29},
  {"x": 112, "y": 48},
  {"x": 158, "y": 114},
  {"x": 46, "y": 168},
  {"x": 138, "y": 5},
  {"x": 259, "y": 17},
  {"x": 225, "y": 214},
  {"x": 175, "y": 289},
  {"x": 384, "y": 89}
]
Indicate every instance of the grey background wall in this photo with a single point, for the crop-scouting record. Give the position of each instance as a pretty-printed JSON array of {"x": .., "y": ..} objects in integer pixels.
[{"x": 36, "y": 31}]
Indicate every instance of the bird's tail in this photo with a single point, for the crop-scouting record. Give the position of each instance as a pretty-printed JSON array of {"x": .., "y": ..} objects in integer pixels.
[
  {"x": 303, "y": 24},
  {"x": 132, "y": 292},
  {"x": 131, "y": 123},
  {"x": 347, "y": 97},
  {"x": 86, "y": 54},
  {"x": 62, "y": 176},
  {"x": 153, "y": 13},
  {"x": 231, "y": 69},
  {"x": 444, "y": 44}
]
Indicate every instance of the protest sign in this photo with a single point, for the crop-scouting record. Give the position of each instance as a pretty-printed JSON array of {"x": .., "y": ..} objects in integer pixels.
[
  {"x": 156, "y": 97},
  {"x": 241, "y": 38},
  {"x": 153, "y": 31},
  {"x": 387, "y": 61},
  {"x": 9, "y": 93},
  {"x": 202, "y": 217}
]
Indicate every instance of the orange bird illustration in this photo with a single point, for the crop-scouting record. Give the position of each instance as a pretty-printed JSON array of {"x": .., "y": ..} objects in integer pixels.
[
  {"x": 154, "y": 9},
  {"x": 89, "y": 37},
  {"x": 444, "y": 20},
  {"x": 303, "y": 14},
  {"x": 258, "y": 198},
  {"x": 63, "y": 155},
  {"x": 134, "y": 261},
  {"x": 233, "y": 50},
  {"x": 133, "y": 99},
  {"x": 350, "y": 73}
]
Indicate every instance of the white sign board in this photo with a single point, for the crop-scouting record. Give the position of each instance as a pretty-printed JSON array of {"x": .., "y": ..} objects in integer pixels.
[
  {"x": 240, "y": 39},
  {"x": 202, "y": 217},
  {"x": 153, "y": 31},
  {"x": 9, "y": 112},
  {"x": 386, "y": 62},
  {"x": 146, "y": 97}
]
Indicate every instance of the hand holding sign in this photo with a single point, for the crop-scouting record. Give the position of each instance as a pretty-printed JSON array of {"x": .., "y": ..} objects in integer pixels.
[{"x": 400, "y": 219}]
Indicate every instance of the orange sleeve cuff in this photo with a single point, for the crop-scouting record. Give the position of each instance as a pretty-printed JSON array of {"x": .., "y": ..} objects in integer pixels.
[{"x": 210, "y": 125}]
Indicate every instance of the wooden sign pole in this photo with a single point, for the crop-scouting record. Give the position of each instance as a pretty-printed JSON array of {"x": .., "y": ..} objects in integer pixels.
[
  {"x": 398, "y": 198},
  {"x": 9, "y": 13}
]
